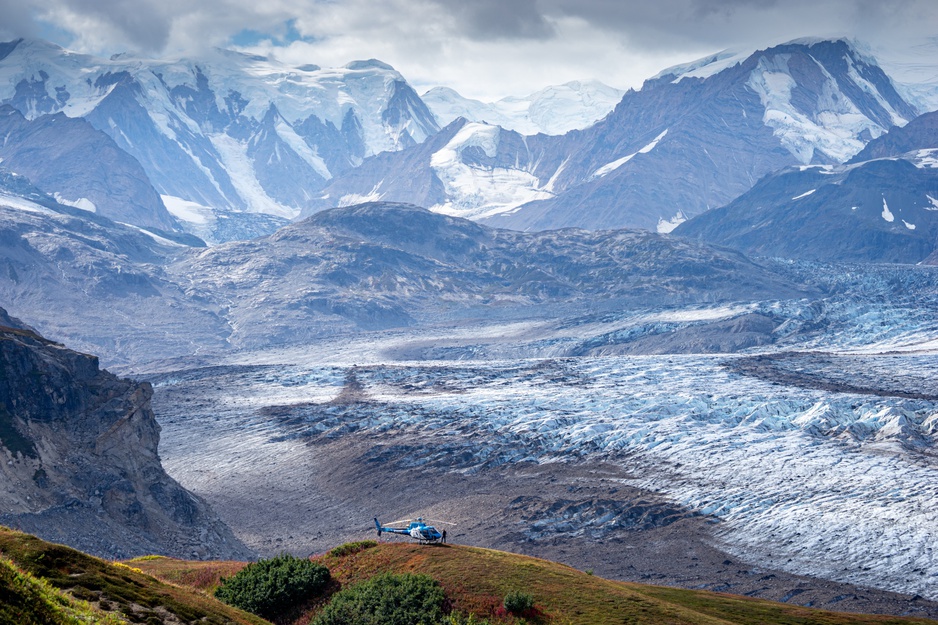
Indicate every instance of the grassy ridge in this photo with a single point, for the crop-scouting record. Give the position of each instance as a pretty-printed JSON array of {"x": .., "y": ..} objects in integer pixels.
[
  {"x": 476, "y": 580},
  {"x": 28, "y": 600},
  {"x": 75, "y": 588},
  {"x": 201, "y": 575},
  {"x": 57, "y": 585}
]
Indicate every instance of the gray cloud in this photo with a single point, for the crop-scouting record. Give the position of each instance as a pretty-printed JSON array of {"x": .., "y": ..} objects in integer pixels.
[
  {"x": 499, "y": 19},
  {"x": 692, "y": 23},
  {"x": 482, "y": 47},
  {"x": 16, "y": 19},
  {"x": 145, "y": 25},
  {"x": 152, "y": 25}
]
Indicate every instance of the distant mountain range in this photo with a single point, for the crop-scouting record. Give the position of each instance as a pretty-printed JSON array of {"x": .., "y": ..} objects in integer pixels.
[
  {"x": 231, "y": 147},
  {"x": 687, "y": 142},
  {"x": 880, "y": 207},
  {"x": 225, "y": 133}
]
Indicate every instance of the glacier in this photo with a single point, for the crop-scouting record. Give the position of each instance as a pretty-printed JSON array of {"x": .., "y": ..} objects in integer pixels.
[
  {"x": 800, "y": 480},
  {"x": 812, "y": 456}
]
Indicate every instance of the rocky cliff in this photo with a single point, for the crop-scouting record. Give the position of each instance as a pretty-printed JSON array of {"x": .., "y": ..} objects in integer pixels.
[{"x": 78, "y": 456}]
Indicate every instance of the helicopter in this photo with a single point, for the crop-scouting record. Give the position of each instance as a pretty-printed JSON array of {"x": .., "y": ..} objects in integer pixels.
[{"x": 415, "y": 529}]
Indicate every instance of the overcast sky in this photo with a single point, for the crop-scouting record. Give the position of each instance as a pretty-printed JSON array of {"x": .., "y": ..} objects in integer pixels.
[{"x": 482, "y": 48}]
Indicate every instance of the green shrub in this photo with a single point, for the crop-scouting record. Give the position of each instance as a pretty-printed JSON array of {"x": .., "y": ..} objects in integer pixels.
[
  {"x": 518, "y": 602},
  {"x": 349, "y": 548},
  {"x": 387, "y": 599},
  {"x": 270, "y": 587}
]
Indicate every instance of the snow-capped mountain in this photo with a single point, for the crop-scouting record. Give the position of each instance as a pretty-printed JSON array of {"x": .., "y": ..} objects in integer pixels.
[
  {"x": 51, "y": 151},
  {"x": 228, "y": 132},
  {"x": 469, "y": 169},
  {"x": 553, "y": 110},
  {"x": 884, "y": 209},
  {"x": 691, "y": 139}
]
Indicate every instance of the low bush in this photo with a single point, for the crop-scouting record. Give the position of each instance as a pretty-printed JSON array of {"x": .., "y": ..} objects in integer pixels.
[
  {"x": 271, "y": 587},
  {"x": 349, "y": 548},
  {"x": 387, "y": 599},
  {"x": 518, "y": 602}
]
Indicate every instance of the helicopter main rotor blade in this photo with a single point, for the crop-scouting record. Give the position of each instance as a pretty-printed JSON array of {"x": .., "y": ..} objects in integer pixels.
[
  {"x": 439, "y": 521},
  {"x": 401, "y": 522}
]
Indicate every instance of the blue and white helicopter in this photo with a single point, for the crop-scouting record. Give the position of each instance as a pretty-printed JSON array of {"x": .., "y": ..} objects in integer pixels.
[{"x": 415, "y": 529}]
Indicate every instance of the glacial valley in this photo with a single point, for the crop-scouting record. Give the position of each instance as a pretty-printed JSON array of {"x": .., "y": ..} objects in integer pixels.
[{"x": 732, "y": 472}]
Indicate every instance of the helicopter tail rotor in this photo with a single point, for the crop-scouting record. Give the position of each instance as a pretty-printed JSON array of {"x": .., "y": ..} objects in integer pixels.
[{"x": 378, "y": 525}]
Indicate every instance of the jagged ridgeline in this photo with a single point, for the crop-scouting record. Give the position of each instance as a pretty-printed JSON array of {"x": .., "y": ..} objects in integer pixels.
[
  {"x": 78, "y": 454},
  {"x": 225, "y": 146},
  {"x": 229, "y": 146},
  {"x": 691, "y": 139}
]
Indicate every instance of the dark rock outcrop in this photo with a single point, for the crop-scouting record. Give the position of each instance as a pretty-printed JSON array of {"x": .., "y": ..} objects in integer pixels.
[
  {"x": 919, "y": 134},
  {"x": 78, "y": 455}
]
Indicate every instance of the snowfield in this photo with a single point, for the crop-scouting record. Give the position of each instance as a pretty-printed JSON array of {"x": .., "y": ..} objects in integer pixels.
[
  {"x": 553, "y": 110},
  {"x": 477, "y": 192}
]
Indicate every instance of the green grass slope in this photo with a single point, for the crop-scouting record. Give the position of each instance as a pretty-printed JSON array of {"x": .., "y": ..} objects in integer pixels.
[
  {"x": 44, "y": 583},
  {"x": 28, "y": 600},
  {"x": 51, "y": 584},
  {"x": 476, "y": 580}
]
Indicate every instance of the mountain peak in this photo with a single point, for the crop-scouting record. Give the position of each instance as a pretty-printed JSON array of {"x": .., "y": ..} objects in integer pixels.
[
  {"x": 715, "y": 63},
  {"x": 703, "y": 67},
  {"x": 369, "y": 64}
]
